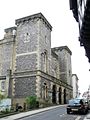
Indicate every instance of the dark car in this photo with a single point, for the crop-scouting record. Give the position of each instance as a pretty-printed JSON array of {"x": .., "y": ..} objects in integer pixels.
[{"x": 77, "y": 105}]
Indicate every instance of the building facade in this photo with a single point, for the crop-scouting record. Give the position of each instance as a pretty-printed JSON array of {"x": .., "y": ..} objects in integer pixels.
[
  {"x": 28, "y": 64},
  {"x": 86, "y": 94},
  {"x": 81, "y": 12},
  {"x": 75, "y": 85}
]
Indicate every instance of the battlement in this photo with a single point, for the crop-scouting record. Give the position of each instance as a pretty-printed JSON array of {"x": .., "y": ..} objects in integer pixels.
[
  {"x": 34, "y": 16},
  {"x": 10, "y": 29},
  {"x": 61, "y": 48},
  {"x": 9, "y": 32}
]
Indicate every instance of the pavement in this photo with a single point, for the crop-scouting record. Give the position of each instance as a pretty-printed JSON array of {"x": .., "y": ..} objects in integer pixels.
[
  {"x": 29, "y": 113},
  {"x": 87, "y": 117},
  {"x": 33, "y": 112}
]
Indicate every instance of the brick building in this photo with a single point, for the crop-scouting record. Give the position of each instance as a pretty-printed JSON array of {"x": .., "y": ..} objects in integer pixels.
[{"x": 29, "y": 66}]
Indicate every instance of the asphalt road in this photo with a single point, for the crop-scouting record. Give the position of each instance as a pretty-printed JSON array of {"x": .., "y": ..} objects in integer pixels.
[{"x": 55, "y": 114}]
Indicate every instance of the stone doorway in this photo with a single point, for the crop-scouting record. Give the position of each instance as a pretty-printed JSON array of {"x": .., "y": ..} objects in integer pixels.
[
  {"x": 64, "y": 92},
  {"x": 54, "y": 94},
  {"x": 59, "y": 95}
]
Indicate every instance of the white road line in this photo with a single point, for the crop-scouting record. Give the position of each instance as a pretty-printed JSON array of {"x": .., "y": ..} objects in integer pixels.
[
  {"x": 78, "y": 118},
  {"x": 61, "y": 115}
]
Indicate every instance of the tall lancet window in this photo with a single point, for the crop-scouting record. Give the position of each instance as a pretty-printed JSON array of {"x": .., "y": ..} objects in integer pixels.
[
  {"x": 45, "y": 91},
  {"x": 45, "y": 61}
]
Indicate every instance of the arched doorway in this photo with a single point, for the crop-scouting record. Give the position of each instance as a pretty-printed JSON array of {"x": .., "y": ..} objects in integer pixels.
[
  {"x": 44, "y": 91},
  {"x": 64, "y": 92},
  {"x": 54, "y": 94},
  {"x": 59, "y": 95}
]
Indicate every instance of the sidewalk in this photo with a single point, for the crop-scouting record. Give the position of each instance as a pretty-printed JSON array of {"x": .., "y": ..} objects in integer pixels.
[
  {"x": 24, "y": 114},
  {"x": 87, "y": 117}
]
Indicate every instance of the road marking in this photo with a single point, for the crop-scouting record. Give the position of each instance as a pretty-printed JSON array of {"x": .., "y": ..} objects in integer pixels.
[
  {"x": 78, "y": 118},
  {"x": 61, "y": 115}
]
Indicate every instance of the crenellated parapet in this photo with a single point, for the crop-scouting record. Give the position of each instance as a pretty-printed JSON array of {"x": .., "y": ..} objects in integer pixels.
[
  {"x": 33, "y": 17},
  {"x": 62, "y": 48},
  {"x": 10, "y": 32}
]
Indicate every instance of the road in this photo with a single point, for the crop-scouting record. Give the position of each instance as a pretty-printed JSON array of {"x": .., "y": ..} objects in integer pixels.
[{"x": 55, "y": 114}]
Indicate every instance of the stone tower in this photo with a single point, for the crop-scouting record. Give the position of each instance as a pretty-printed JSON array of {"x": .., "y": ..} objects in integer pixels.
[
  {"x": 65, "y": 75},
  {"x": 7, "y": 57},
  {"x": 33, "y": 51},
  {"x": 64, "y": 55},
  {"x": 28, "y": 65}
]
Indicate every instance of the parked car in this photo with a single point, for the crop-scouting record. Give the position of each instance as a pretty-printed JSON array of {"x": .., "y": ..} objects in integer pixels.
[
  {"x": 89, "y": 104},
  {"x": 77, "y": 105}
]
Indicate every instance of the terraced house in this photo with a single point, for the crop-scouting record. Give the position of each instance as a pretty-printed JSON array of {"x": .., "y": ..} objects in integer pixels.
[{"x": 29, "y": 66}]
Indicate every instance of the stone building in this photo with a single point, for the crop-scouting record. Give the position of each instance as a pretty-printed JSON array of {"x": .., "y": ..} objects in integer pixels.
[{"x": 30, "y": 67}]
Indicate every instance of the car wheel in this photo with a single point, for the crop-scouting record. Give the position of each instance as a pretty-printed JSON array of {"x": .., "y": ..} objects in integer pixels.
[
  {"x": 84, "y": 111},
  {"x": 68, "y": 112}
]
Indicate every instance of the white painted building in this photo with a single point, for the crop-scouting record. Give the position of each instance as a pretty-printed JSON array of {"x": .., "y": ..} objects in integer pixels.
[
  {"x": 86, "y": 94},
  {"x": 75, "y": 85}
]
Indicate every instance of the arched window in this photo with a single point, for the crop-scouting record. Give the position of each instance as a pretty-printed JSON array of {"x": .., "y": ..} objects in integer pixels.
[
  {"x": 44, "y": 58},
  {"x": 45, "y": 91},
  {"x": 3, "y": 86},
  {"x": 45, "y": 61}
]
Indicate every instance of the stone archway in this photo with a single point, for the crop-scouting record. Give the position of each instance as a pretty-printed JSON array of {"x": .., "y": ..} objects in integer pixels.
[
  {"x": 64, "y": 97},
  {"x": 54, "y": 94},
  {"x": 59, "y": 95}
]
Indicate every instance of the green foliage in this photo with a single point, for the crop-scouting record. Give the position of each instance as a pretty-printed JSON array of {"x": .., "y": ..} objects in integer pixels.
[
  {"x": 1, "y": 97},
  {"x": 5, "y": 111},
  {"x": 32, "y": 102}
]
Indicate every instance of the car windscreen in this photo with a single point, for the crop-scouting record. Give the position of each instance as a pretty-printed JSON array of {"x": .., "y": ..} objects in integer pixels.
[{"x": 74, "y": 101}]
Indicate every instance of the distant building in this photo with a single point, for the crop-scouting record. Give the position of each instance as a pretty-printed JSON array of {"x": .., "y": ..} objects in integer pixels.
[
  {"x": 75, "y": 85},
  {"x": 30, "y": 66},
  {"x": 86, "y": 94}
]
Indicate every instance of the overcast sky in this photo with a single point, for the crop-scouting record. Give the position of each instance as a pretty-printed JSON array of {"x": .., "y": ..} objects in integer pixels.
[{"x": 64, "y": 32}]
